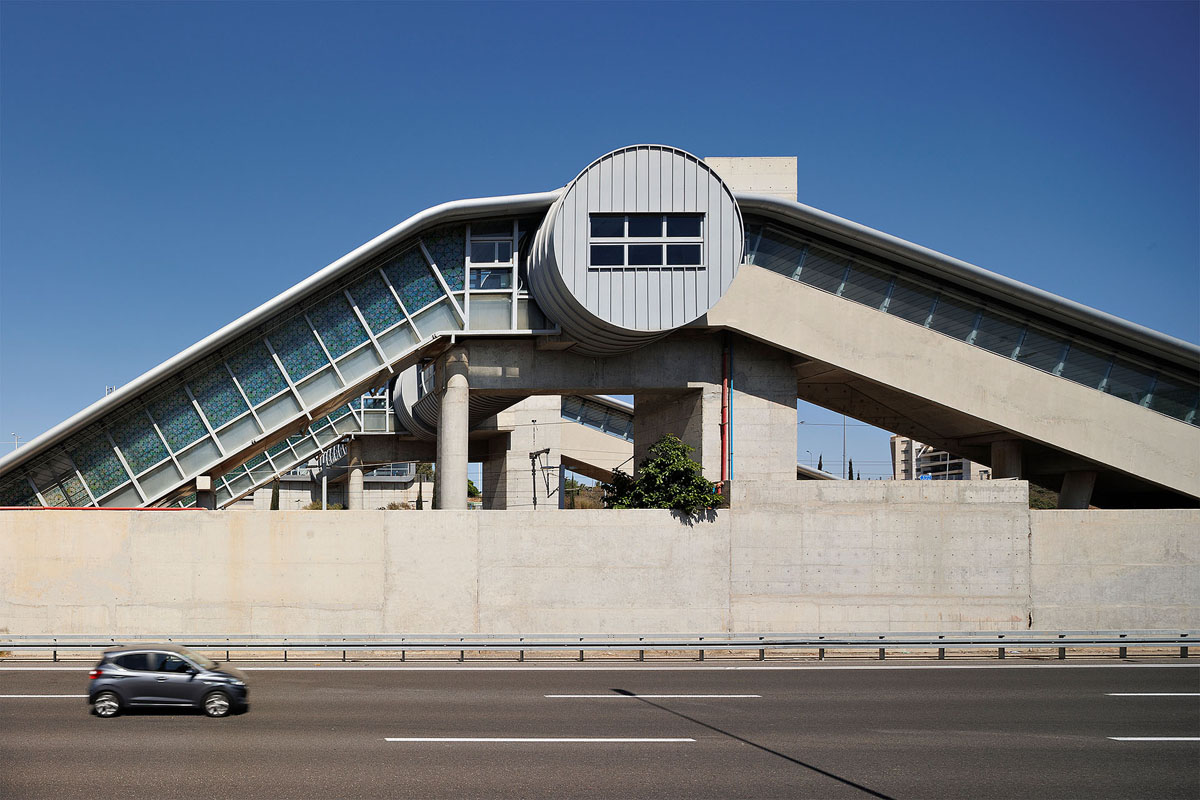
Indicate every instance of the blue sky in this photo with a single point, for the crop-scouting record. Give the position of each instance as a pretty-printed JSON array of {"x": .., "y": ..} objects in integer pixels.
[{"x": 166, "y": 167}]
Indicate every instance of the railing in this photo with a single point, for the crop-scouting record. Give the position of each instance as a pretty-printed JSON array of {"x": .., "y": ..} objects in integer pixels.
[{"x": 1001, "y": 641}]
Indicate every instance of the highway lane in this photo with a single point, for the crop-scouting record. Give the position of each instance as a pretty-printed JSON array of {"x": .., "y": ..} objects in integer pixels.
[{"x": 822, "y": 731}]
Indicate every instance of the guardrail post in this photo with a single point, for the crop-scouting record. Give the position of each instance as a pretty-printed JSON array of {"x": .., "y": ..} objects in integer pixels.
[
  {"x": 641, "y": 655},
  {"x": 882, "y": 654},
  {"x": 941, "y": 654},
  {"x": 1183, "y": 652},
  {"x": 701, "y": 655},
  {"x": 343, "y": 656},
  {"x": 226, "y": 655},
  {"x": 1120, "y": 652},
  {"x": 461, "y": 654},
  {"x": 762, "y": 654},
  {"x": 581, "y": 655},
  {"x": 1000, "y": 652},
  {"x": 1062, "y": 652},
  {"x": 520, "y": 655},
  {"x": 285, "y": 654},
  {"x": 55, "y": 653},
  {"x": 820, "y": 654}
]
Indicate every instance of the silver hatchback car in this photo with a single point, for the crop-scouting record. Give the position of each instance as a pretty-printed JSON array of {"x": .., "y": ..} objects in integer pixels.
[{"x": 164, "y": 675}]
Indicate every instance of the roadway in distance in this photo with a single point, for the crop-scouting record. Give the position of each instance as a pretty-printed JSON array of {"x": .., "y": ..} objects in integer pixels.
[{"x": 894, "y": 731}]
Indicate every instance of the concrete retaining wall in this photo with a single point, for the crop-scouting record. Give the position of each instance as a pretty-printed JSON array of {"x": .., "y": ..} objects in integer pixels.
[{"x": 877, "y": 556}]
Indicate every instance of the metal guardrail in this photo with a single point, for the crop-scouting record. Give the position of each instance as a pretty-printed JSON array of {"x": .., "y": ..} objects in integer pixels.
[{"x": 1001, "y": 641}]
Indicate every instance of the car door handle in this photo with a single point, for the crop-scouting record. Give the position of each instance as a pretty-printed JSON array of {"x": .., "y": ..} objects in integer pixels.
[{"x": 160, "y": 680}]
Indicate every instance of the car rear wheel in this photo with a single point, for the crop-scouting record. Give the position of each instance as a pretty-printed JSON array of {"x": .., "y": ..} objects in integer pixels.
[
  {"x": 216, "y": 704},
  {"x": 107, "y": 704}
]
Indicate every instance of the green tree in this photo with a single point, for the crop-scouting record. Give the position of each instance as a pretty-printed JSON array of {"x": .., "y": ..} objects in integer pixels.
[
  {"x": 668, "y": 478},
  {"x": 275, "y": 495},
  {"x": 850, "y": 470},
  {"x": 820, "y": 463},
  {"x": 472, "y": 489}
]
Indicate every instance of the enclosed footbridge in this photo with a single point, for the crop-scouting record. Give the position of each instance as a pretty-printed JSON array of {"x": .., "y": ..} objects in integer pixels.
[{"x": 886, "y": 331}]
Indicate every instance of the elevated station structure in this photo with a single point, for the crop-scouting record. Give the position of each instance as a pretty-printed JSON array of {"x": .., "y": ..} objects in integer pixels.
[{"x": 647, "y": 275}]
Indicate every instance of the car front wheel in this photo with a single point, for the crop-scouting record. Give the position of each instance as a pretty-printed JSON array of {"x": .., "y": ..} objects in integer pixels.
[
  {"x": 107, "y": 704},
  {"x": 216, "y": 704}
]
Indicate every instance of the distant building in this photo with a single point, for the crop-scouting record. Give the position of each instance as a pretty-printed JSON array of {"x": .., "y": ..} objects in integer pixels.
[{"x": 912, "y": 460}]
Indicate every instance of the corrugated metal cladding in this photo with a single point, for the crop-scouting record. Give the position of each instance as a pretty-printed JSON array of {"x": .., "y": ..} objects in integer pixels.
[{"x": 609, "y": 310}]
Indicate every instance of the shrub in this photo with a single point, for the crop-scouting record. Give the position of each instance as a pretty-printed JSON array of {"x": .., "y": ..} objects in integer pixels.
[{"x": 668, "y": 478}]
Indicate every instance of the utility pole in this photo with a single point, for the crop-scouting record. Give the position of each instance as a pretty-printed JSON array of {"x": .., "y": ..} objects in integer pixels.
[
  {"x": 16, "y": 440},
  {"x": 843, "y": 445}
]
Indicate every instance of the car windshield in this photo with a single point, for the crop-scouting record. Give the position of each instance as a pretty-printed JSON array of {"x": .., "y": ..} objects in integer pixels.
[{"x": 203, "y": 661}]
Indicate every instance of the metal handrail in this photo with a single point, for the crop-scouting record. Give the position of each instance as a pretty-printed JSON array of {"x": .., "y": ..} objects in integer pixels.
[{"x": 998, "y": 640}]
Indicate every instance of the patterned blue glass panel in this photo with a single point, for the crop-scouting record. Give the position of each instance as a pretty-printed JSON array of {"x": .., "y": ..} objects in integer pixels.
[
  {"x": 297, "y": 348},
  {"x": 187, "y": 501},
  {"x": 410, "y": 274},
  {"x": 257, "y": 373},
  {"x": 218, "y": 397},
  {"x": 177, "y": 419},
  {"x": 54, "y": 496},
  {"x": 16, "y": 491},
  {"x": 376, "y": 303},
  {"x": 76, "y": 494},
  {"x": 337, "y": 326},
  {"x": 98, "y": 463},
  {"x": 446, "y": 247},
  {"x": 278, "y": 448},
  {"x": 138, "y": 442},
  {"x": 254, "y": 462}
]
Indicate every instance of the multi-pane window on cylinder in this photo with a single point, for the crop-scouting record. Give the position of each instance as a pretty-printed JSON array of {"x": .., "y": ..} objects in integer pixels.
[
  {"x": 619, "y": 241},
  {"x": 491, "y": 254}
]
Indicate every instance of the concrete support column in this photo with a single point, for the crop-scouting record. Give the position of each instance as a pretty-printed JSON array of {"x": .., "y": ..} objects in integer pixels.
[
  {"x": 1077, "y": 488},
  {"x": 354, "y": 476},
  {"x": 1006, "y": 459},
  {"x": 453, "y": 421}
]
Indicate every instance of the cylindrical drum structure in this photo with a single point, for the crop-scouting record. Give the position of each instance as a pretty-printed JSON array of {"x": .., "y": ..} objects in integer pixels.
[{"x": 643, "y": 241}]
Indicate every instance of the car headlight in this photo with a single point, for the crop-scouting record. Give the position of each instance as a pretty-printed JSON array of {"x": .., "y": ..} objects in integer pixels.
[{"x": 236, "y": 682}]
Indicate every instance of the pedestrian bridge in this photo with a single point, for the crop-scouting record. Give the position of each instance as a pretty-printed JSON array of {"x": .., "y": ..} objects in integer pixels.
[{"x": 885, "y": 331}]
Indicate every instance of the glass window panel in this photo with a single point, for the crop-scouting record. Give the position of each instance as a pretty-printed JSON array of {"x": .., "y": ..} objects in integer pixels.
[
  {"x": 375, "y": 302},
  {"x": 219, "y": 399},
  {"x": 607, "y": 225},
  {"x": 138, "y": 442},
  {"x": 683, "y": 255},
  {"x": 645, "y": 225},
  {"x": 239, "y": 433},
  {"x": 98, "y": 462},
  {"x": 483, "y": 252},
  {"x": 239, "y": 483},
  {"x": 608, "y": 255},
  {"x": 530, "y": 316},
  {"x": 297, "y": 348},
  {"x": 1129, "y": 381},
  {"x": 279, "y": 411},
  {"x": 495, "y": 227},
  {"x": 397, "y": 340},
  {"x": 305, "y": 447},
  {"x": 491, "y": 278},
  {"x": 177, "y": 419},
  {"x": 867, "y": 285},
  {"x": 910, "y": 301},
  {"x": 823, "y": 269},
  {"x": 491, "y": 312},
  {"x": 1173, "y": 397},
  {"x": 504, "y": 252},
  {"x": 412, "y": 279},
  {"x": 684, "y": 224},
  {"x": 123, "y": 498},
  {"x": 257, "y": 373},
  {"x": 954, "y": 317},
  {"x": 319, "y": 387},
  {"x": 160, "y": 479},
  {"x": 778, "y": 254},
  {"x": 998, "y": 333},
  {"x": 1041, "y": 349},
  {"x": 195, "y": 460},
  {"x": 644, "y": 255},
  {"x": 437, "y": 318},
  {"x": 359, "y": 364},
  {"x": 54, "y": 496},
  {"x": 337, "y": 325},
  {"x": 1086, "y": 365},
  {"x": 446, "y": 246}
]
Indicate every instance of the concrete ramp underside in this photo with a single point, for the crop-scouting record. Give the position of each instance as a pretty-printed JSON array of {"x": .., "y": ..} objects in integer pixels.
[{"x": 912, "y": 380}]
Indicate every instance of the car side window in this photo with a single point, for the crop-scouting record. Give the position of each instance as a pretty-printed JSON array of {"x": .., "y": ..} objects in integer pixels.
[
  {"x": 153, "y": 660},
  {"x": 173, "y": 664},
  {"x": 134, "y": 661}
]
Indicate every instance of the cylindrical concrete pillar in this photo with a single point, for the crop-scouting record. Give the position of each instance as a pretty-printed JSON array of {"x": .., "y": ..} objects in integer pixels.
[
  {"x": 1076, "y": 491},
  {"x": 1006, "y": 459},
  {"x": 452, "y": 431},
  {"x": 354, "y": 477}
]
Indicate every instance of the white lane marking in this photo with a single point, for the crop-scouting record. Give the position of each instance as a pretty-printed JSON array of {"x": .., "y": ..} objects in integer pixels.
[
  {"x": 636, "y": 696},
  {"x": 523, "y": 739},
  {"x": 660, "y": 668},
  {"x": 42, "y": 695},
  {"x": 1155, "y": 738},
  {"x": 1153, "y": 694}
]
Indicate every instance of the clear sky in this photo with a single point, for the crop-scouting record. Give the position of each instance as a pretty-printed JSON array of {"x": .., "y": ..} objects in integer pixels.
[{"x": 165, "y": 167}]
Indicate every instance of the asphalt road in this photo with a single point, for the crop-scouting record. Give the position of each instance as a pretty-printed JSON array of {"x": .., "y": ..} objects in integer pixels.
[{"x": 822, "y": 731}]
